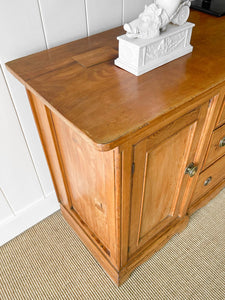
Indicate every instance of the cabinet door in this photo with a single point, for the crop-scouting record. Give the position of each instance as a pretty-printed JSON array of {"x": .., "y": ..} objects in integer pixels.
[{"x": 159, "y": 184}]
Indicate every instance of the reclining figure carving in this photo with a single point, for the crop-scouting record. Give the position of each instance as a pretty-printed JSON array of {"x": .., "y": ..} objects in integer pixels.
[{"x": 157, "y": 16}]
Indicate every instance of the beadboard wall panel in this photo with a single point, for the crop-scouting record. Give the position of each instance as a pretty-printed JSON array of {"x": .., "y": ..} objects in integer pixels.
[
  {"x": 22, "y": 35},
  {"x": 27, "y": 217},
  {"x": 30, "y": 132},
  {"x": 63, "y": 21},
  {"x": 103, "y": 15},
  {"x": 20, "y": 29},
  {"x": 5, "y": 210},
  {"x": 18, "y": 178}
]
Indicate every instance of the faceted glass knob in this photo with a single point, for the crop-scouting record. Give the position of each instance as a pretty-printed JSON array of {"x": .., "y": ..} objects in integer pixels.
[{"x": 191, "y": 169}]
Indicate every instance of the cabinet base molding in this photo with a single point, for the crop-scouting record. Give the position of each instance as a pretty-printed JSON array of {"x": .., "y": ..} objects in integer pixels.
[
  {"x": 88, "y": 242},
  {"x": 152, "y": 247},
  {"x": 120, "y": 276}
]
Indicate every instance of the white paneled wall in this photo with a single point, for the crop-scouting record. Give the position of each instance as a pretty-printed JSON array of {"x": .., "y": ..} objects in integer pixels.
[
  {"x": 23, "y": 110},
  {"x": 20, "y": 189},
  {"x": 15, "y": 158},
  {"x": 63, "y": 20},
  {"x": 27, "y": 26},
  {"x": 5, "y": 210},
  {"x": 21, "y": 30},
  {"x": 103, "y": 15}
]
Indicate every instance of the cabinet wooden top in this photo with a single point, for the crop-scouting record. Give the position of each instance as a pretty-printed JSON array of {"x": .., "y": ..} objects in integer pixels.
[{"x": 107, "y": 104}]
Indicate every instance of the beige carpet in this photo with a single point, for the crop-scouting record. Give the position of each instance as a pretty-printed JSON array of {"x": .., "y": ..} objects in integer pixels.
[{"x": 48, "y": 261}]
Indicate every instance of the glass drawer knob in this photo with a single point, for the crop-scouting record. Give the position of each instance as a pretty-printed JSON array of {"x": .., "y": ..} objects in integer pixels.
[
  {"x": 191, "y": 169},
  {"x": 208, "y": 180},
  {"x": 222, "y": 142}
]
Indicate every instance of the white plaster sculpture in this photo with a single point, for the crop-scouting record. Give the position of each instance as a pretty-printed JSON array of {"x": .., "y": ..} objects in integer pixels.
[
  {"x": 159, "y": 35},
  {"x": 157, "y": 16}
]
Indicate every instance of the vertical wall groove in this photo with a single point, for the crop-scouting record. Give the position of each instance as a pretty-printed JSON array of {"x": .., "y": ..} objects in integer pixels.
[
  {"x": 86, "y": 15},
  {"x": 6, "y": 200},
  {"x": 123, "y": 12},
  {"x": 42, "y": 24}
]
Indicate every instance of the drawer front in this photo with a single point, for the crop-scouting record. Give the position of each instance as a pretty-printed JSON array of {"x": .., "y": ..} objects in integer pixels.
[
  {"x": 209, "y": 179},
  {"x": 221, "y": 119},
  {"x": 216, "y": 146}
]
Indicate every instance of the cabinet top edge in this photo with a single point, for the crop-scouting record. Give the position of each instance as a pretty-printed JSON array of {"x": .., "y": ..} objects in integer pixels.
[{"x": 106, "y": 104}]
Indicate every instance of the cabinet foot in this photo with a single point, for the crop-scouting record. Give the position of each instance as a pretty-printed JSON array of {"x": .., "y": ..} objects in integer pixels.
[{"x": 152, "y": 247}]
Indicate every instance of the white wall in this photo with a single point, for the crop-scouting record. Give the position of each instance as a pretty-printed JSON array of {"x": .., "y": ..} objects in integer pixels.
[{"x": 27, "y": 26}]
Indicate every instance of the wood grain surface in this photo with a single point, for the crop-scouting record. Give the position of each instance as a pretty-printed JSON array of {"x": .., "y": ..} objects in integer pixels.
[
  {"x": 221, "y": 119},
  {"x": 106, "y": 103},
  {"x": 215, "y": 173},
  {"x": 125, "y": 203},
  {"x": 215, "y": 151}
]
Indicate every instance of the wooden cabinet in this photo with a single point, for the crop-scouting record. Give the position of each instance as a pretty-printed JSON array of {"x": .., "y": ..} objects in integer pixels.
[{"x": 131, "y": 158}]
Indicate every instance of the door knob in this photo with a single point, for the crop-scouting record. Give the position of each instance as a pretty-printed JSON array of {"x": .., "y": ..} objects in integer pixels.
[
  {"x": 222, "y": 142},
  {"x": 191, "y": 169},
  {"x": 208, "y": 180}
]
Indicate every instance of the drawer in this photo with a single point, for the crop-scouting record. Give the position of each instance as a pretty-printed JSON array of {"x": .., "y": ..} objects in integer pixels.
[
  {"x": 216, "y": 147},
  {"x": 221, "y": 118},
  {"x": 209, "y": 179}
]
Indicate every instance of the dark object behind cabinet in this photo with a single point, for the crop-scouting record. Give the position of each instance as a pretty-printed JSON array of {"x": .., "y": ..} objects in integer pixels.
[{"x": 213, "y": 7}]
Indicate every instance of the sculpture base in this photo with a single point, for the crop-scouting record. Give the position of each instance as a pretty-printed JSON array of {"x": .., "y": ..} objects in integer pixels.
[{"x": 139, "y": 56}]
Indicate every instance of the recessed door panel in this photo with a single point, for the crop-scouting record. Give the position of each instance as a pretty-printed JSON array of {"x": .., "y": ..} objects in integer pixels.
[
  {"x": 164, "y": 167},
  {"x": 159, "y": 183}
]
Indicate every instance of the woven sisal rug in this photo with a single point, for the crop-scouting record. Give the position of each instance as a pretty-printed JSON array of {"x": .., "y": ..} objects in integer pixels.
[{"x": 48, "y": 261}]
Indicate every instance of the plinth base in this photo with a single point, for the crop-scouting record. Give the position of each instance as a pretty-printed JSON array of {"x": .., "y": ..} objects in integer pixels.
[{"x": 139, "y": 56}]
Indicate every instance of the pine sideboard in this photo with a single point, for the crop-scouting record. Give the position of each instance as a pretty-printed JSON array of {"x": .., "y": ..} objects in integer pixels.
[{"x": 131, "y": 157}]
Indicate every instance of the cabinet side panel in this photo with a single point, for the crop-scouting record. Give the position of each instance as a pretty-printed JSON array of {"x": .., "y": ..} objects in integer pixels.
[
  {"x": 90, "y": 178},
  {"x": 40, "y": 113}
]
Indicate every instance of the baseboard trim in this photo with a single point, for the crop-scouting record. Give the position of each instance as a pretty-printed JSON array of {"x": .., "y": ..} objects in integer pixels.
[{"x": 28, "y": 217}]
